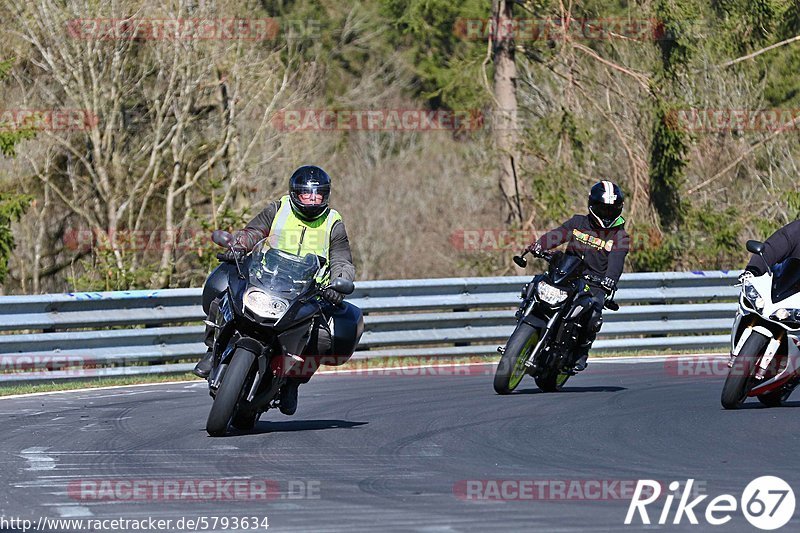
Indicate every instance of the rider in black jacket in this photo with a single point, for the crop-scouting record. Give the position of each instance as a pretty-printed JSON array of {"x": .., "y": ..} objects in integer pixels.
[
  {"x": 782, "y": 245},
  {"x": 600, "y": 238}
]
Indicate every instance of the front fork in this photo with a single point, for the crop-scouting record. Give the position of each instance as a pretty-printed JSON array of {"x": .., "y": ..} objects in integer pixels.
[
  {"x": 530, "y": 360},
  {"x": 766, "y": 358}
]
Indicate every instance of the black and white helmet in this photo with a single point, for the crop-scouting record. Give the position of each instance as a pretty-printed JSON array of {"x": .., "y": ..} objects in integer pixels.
[{"x": 605, "y": 204}]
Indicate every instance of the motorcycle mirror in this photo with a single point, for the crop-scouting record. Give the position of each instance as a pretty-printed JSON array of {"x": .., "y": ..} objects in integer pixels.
[
  {"x": 520, "y": 261},
  {"x": 755, "y": 247},
  {"x": 343, "y": 286},
  {"x": 221, "y": 238}
]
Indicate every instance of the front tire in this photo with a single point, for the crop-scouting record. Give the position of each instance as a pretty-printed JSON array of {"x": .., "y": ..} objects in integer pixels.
[
  {"x": 511, "y": 368},
  {"x": 740, "y": 376},
  {"x": 229, "y": 393}
]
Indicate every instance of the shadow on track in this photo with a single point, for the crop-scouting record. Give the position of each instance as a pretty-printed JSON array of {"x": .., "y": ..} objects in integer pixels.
[
  {"x": 567, "y": 390},
  {"x": 264, "y": 426},
  {"x": 752, "y": 403}
]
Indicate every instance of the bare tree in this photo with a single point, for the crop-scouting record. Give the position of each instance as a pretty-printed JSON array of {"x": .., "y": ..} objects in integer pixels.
[{"x": 170, "y": 116}]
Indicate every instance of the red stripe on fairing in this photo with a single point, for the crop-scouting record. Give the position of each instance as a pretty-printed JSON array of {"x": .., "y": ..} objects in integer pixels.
[{"x": 764, "y": 389}]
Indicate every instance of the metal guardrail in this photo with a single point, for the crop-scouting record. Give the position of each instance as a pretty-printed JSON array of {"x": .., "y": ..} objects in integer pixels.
[{"x": 60, "y": 336}]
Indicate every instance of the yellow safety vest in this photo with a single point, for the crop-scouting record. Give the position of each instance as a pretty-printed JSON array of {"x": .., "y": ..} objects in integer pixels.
[{"x": 293, "y": 235}]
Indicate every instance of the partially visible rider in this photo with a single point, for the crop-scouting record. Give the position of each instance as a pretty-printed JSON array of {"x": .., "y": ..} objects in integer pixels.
[
  {"x": 781, "y": 245},
  {"x": 299, "y": 223},
  {"x": 600, "y": 238}
]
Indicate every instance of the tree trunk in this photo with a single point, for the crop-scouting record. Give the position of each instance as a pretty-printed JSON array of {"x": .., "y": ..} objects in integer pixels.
[{"x": 505, "y": 116}]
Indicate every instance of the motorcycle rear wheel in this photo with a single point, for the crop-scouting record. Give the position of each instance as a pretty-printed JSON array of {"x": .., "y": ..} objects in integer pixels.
[
  {"x": 552, "y": 381},
  {"x": 774, "y": 398}
]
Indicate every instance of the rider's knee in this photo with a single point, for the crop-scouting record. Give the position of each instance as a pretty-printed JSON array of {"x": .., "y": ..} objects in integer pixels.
[{"x": 216, "y": 284}]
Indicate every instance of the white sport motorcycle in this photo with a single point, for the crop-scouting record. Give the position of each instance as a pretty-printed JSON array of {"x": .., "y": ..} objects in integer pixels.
[{"x": 765, "y": 338}]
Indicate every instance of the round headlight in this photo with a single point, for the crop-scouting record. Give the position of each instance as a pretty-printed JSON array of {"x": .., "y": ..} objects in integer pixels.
[
  {"x": 265, "y": 305},
  {"x": 752, "y": 295}
]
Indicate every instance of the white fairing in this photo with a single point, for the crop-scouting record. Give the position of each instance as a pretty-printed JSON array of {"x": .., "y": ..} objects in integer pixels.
[{"x": 763, "y": 284}]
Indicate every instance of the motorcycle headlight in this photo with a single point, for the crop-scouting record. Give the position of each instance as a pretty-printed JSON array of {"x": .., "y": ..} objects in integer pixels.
[
  {"x": 791, "y": 317},
  {"x": 549, "y": 294},
  {"x": 265, "y": 305},
  {"x": 753, "y": 297}
]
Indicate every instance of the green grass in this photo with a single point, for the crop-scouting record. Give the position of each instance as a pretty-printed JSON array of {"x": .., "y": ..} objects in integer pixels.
[
  {"x": 26, "y": 388},
  {"x": 383, "y": 362}
]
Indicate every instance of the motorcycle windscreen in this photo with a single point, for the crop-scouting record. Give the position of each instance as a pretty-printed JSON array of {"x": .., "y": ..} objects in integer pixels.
[
  {"x": 564, "y": 267},
  {"x": 786, "y": 279},
  {"x": 281, "y": 273}
]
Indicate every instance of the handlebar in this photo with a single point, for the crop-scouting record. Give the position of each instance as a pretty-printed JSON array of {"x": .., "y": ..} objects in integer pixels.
[
  {"x": 610, "y": 304},
  {"x": 522, "y": 262}
]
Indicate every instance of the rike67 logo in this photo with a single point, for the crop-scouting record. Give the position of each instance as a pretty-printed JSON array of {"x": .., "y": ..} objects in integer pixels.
[{"x": 767, "y": 502}]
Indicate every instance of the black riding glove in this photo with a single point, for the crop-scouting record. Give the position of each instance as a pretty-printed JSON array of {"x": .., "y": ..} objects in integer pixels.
[
  {"x": 609, "y": 284},
  {"x": 231, "y": 254},
  {"x": 745, "y": 276},
  {"x": 333, "y": 296},
  {"x": 535, "y": 248}
]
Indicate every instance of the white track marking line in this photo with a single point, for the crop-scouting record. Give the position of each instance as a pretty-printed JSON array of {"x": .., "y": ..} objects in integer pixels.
[
  {"x": 37, "y": 459},
  {"x": 92, "y": 389},
  {"x": 73, "y": 511}
]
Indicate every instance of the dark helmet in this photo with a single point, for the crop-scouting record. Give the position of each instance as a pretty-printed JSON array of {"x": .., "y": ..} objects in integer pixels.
[
  {"x": 309, "y": 179},
  {"x": 605, "y": 204}
]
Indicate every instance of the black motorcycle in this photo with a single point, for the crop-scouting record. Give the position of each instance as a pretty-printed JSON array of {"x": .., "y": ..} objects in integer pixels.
[
  {"x": 266, "y": 316},
  {"x": 544, "y": 342}
]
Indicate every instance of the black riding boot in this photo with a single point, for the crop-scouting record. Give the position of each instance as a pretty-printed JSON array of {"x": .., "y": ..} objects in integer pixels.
[
  {"x": 203, "y": 368},
  {"x": 288, "y": 398}
]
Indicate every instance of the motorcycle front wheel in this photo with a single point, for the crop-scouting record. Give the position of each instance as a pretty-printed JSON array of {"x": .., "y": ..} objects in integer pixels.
[
  {"x": 740, "y": 375},
  {"x": 229, "y": 393},
  {"x": 511, "y": 368}
]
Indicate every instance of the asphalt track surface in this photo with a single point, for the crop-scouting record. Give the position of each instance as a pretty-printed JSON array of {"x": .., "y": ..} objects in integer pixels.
[{"x": 389, "y": 452}]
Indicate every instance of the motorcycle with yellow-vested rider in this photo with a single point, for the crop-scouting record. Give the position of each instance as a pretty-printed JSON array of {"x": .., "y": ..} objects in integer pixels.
[{"x": 275, "y": 308}]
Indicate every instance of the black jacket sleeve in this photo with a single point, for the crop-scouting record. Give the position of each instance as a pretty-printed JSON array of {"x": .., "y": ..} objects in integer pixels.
[
  {"x": 558, "y": 236},
  {"x": 256, "y": 229},
  {"x": 616, "y": 257},
  {"x": 783, "y": 244}
]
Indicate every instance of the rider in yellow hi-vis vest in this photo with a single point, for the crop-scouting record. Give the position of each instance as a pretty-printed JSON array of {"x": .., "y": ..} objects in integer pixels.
[
  {"x": 299, "y": 223},
  {"x": 295, "y": 235}
]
